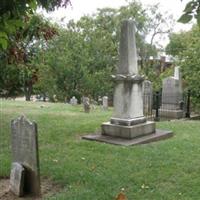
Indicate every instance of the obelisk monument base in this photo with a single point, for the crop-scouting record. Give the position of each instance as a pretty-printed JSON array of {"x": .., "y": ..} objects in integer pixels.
[{"x": 128, "y": 132}]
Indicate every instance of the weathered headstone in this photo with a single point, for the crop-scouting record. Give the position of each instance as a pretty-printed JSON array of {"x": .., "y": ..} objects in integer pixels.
[
  {"x": 100, "y": 100},
  {"x": 17, "y": 179},
  {"x": 172, "y": 96},
  {"x": 73, "y": 101},
  {"x": 25, "y": 157},
  {"x": 128, "y": 125},
  {"x": 86, "y": 104},
  {"x": 147, "y": 97},
  {"x": 105, "y": 103}
]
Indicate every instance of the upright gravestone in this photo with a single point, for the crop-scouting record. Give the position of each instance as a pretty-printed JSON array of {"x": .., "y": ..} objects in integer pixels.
[
  {"x": 105, "y": 103},
  {"x": 128, "y": 122},
  {"x": 73, "y": 101},
  {"x": 25, "y": 176},
  {"x": 100, "y": 100},
  {"x": 86, "y": 104},
  {"x": 147, "y": 97},
  {"x": 172, "y": 96}
]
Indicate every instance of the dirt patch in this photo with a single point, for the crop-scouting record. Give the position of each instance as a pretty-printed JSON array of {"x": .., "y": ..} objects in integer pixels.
[{"x": 48, "y": 187}]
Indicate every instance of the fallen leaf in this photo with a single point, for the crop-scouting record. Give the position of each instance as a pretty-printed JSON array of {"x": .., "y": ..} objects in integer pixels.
[{"x": 121, "y": 196}]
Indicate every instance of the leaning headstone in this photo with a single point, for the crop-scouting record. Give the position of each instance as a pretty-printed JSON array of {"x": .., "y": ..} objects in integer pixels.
[
  {"x": 128, "y": 125},
  {"x": 105, "y": 103},
  {"x": 147, "y": 97},
  {"x": 25, "y": 176},
  {"x": 172, "y": 96},
  {"x": 17, "y": 179},
  {"x": 73, "y": 101},
  {"x": 86, "y": 104}
]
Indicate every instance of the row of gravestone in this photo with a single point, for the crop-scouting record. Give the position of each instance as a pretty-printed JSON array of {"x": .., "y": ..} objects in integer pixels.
[
  {"x": 87, "y": 104},
  {"x": 172, "y": 96}
]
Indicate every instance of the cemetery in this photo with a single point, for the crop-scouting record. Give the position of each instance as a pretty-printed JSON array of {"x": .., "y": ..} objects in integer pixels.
[{"x": 92, "y": 110}]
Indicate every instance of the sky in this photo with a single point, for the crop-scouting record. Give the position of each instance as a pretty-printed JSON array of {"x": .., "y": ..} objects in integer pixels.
[{"x": 83, "y": 7}]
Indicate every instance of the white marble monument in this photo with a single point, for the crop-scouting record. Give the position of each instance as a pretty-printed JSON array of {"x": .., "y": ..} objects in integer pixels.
[
  {"x": 128, "y": 125},
  {"x": 128, "y": 120}
]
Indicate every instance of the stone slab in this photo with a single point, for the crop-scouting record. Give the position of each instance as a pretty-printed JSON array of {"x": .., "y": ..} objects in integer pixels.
[
  {"x": 127, "y": 122},
  {"x": 158, "y": 135},
  {"x": 17, "y": 179},
  {"x": 128, "y": 132},
  {"x": 171, "y": 114}
]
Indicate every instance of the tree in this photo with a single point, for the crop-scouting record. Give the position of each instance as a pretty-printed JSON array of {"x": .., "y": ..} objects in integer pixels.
[
  {"x": 23, "y": 49},
  {"x": 86, "y": 52},
  {"x": 186, "y": 47},
  {"x": 177, "y": 44},
  {"x": 159, "y": 24}
]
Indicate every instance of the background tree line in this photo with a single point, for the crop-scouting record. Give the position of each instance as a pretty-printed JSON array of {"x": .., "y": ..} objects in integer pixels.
[{"x": 78, "y": 59}]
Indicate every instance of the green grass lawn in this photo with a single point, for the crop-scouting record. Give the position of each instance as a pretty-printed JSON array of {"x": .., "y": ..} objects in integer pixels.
[{"x": 165, "y": 170}]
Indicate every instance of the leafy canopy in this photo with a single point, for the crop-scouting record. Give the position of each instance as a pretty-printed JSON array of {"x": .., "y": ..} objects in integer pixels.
[
  {"x": 192, "y": 10},
  {"x": 13, "y": 14}
]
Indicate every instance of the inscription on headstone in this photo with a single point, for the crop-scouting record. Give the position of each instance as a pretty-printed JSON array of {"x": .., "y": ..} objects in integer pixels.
[{"x": 24, "y": 145}]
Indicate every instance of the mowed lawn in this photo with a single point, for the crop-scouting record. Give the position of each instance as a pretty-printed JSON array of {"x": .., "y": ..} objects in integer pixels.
[{"x": 165, "y": 170}]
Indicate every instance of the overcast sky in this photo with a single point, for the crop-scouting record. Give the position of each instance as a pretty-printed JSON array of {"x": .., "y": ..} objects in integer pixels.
[{"x": 82, "y": 7}]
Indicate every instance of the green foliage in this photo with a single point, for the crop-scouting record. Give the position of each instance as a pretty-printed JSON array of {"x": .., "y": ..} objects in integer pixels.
[
  {"x": 14, "y": 14},
  {"x": 10, "y": 84},
  {"x": 153, "y": 74},
  {"x": 186, "y": 47},
  {"x": 177, "y": 44},
  {"x": 83, "y": 56},
  {"x": 191, "y": 11},
  {"x": 22, "y": 53}
]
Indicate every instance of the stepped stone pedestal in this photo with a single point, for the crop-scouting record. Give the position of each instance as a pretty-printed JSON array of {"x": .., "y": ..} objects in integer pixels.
[{"x": 128, "y": 122}]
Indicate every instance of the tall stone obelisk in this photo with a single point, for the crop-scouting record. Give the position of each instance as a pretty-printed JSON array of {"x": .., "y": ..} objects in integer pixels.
[
  {"x": 128, "y": 120},
  {"x": 128, "y": 126}
]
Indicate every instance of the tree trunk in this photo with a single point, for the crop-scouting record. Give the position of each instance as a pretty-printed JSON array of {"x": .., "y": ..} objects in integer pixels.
[{"x": 28, "y": 88}]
